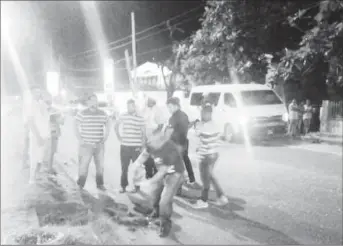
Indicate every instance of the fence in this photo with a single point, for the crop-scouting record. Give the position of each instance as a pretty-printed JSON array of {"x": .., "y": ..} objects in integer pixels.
[{"x": 332, "y": 118}]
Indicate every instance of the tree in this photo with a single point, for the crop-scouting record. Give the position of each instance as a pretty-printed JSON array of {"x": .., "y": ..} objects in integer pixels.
[
  {"x": 235, "y": 36},
  {"x": 320, "y": 51}
]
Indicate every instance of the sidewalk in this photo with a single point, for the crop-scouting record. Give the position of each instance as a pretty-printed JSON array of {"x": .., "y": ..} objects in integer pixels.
[{"x": 317, "y": 137}]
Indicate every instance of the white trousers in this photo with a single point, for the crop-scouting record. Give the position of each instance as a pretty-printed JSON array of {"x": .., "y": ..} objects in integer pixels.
[{"x": 38, "y": 155}]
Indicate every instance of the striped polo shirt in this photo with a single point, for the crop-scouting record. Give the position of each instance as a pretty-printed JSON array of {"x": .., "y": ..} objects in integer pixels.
[
  {"x": 132, "y": 125},
  {"x": 92, "y": 125},
  {"x": 209, "y": 136}
]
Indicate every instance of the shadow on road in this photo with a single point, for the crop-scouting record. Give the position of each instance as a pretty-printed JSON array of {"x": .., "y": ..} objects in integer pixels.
[{"x": 227, "y": 218}]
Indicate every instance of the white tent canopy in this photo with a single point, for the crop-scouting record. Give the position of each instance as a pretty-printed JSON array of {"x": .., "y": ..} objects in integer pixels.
[{"x": 149, "y": 69}]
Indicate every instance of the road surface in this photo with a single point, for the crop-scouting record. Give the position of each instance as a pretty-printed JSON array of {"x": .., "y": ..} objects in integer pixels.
[{"x": 281, "y": 193}]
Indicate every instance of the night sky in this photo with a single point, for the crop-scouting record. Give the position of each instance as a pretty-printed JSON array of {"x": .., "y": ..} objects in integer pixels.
[{"x": 64, "y": 23}]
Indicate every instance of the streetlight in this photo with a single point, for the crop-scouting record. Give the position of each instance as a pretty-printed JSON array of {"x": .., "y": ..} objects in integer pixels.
[{"x": 52, "y": 83}]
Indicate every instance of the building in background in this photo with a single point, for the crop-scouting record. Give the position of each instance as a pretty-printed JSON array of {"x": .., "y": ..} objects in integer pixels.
[{"x": 150, "y": 77}]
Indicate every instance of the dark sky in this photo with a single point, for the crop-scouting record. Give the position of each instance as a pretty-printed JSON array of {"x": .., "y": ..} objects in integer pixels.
[{"x": 64, "y": 23}]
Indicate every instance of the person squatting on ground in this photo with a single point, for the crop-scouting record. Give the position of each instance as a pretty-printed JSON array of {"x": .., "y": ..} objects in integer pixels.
[
  {"x": 177, "y": 132},
  {"x": 39, "y": 130},
  {"x": 168, "y": 178},
  {"x": 132, "y": 138},
  {"x": 56, "y": 120},
  {"x": 92, "y": 128},
  {"x": 307, "y": 117},
  {"x": 209, "y": 137}
]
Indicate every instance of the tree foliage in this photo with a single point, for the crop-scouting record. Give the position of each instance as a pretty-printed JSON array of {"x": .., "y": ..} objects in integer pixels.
[
  {"x": 323, "y": 42},
  {"x": 239, "y": 35}
]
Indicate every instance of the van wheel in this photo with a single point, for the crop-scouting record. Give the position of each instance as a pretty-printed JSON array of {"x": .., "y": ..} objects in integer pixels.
[{"x": 228, "y": 133}]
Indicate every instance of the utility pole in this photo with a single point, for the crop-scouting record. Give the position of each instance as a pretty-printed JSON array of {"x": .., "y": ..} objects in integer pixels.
[
  {"x": 134, "y": 46},
  {"x": 129, "y": 71}
]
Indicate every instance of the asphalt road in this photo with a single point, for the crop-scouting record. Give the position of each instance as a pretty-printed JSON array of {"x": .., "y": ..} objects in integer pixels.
[{"x": 280, "y": 194}]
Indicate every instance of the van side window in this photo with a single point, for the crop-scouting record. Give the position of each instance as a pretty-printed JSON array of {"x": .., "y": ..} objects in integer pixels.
[
  {"x": 196, "y": 99},
  {"x": 212, "y": 98},
  {"x": 229, "y": 100}
]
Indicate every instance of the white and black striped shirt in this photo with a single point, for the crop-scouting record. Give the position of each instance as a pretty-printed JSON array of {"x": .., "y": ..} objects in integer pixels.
[
  {"x": 132, "y": 129},
  {"x": 92, "y": 125},
  {"x": 209, "y": 137}
]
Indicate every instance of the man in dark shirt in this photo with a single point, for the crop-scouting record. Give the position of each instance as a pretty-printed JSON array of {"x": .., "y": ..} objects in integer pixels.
[
  {"x": 164, "y": 185},
  {"x": 178, "y": 130}
]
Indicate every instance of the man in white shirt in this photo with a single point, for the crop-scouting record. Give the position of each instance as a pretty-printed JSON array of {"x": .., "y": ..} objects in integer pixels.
[
  {"x": 27, "y": 98},
  {"x": 154, "y": 120},
  {"x": 307, "y": 117},
  {"x": 39, "y": 133},
  {"x": 293, "y": 118}
]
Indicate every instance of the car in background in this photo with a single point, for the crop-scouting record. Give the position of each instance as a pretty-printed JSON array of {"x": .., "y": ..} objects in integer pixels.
[{"x": 241, "y": 110}]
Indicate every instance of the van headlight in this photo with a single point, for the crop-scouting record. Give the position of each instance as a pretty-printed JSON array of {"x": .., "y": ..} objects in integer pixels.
[
  {"x": 285, "y": 117},
  {"x": 243, "y": 120}
]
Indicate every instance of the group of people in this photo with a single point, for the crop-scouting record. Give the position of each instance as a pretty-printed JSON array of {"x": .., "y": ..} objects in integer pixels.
[
  {"x": 159, "y": 145},
  {"x": 300, "y": 118}
]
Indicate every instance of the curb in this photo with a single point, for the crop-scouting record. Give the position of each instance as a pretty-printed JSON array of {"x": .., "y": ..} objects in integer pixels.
[{"x": 337, "y": 142}]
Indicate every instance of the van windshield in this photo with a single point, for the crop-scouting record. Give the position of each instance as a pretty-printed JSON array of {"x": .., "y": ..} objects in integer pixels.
[
  {"x": 260, "y": 97},
  {"x": 198, "y": 98}
]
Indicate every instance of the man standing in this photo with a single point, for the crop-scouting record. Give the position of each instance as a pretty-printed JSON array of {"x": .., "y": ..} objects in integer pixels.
[
  {"x": 56, "y": 120},
  {"x": 92, "y": 130},
  {"x": 178, "y": 130},
  {"x": 39, "y": 128},
  {"x": 307, "y": 117},
  {"x": 293, "y": 118},
  {"x": 132, "y": 138},
  {"x": 28, "y": 96}
]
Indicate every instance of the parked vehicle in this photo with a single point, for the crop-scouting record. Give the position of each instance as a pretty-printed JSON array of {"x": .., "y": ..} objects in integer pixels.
[{"x": 252, "y": 110}]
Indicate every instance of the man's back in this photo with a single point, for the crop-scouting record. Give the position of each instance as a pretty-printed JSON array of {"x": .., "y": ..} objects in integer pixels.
[{"x": 179, "y": 122}]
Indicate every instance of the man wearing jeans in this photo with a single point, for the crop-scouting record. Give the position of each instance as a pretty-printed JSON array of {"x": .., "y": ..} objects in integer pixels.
[
  {"x": 178, "y": 130},
  {"x": 132, "y": 138},
  {"x": 92, "y": 130},
  {"x": 166, "y": 182}
]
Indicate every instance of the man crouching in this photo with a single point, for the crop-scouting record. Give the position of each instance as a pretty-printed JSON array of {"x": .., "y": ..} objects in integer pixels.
[{"x": 166, "y": 181}]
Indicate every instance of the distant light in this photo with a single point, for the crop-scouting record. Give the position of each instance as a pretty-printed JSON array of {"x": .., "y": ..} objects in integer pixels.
[
  {"x": 109, "y": 75},
  {"x": 52, "y": 83}
]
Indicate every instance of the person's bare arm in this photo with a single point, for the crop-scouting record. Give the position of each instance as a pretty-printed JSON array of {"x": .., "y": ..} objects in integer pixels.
[
  {"x": 107, "y": 129},
  {"x": 77, "y": 123},
  {"x": 116, "y": 128}
]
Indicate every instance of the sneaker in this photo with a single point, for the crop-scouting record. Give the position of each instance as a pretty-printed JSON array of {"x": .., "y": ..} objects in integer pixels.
[
  {"x": 200, "y": 204},
  {"x": 122, "y": 190},
  {"x": 101, "y": 187},
  {"x": 222, "y": 201}
]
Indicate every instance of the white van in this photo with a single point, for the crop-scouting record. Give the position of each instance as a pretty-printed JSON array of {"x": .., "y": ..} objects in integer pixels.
[{"x": 252, "y": 108}]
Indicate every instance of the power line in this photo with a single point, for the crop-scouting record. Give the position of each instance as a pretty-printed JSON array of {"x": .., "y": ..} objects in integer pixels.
[
  {"x": 118, "y": 61},
  {"x": 138, "y": 33},
  {"x": 142, "y": 38}
]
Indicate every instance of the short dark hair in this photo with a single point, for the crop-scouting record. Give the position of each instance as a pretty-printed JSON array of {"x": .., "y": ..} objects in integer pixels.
[
  {"x": 92, "y": 95},
  {"x": 207, "y": 107},
  {"x": 174, "y": 101},
  {"x": 130, "y": 101}
]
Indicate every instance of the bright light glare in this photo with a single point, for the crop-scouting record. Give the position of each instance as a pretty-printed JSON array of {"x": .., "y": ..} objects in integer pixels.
[
  {"x": 108, "y": 75},
  {"x": 52, "y": 83}
]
